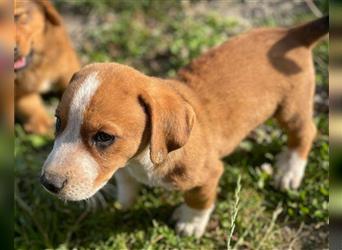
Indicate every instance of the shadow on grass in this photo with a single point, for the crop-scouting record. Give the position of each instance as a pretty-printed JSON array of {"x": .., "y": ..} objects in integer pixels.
[
  {"x": 106, "y": 224},
  {"x": 48, "y": 223}
]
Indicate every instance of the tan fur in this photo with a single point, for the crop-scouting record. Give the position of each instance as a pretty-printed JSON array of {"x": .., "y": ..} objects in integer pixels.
[
  {"x": 190, "y": 123},
  {"x": 40, "y": 32}
]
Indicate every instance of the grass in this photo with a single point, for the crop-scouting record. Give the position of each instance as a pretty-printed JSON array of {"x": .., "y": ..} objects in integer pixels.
[
  {"x": 234, "y": 212},
  {"x": 265, "y": 218}
]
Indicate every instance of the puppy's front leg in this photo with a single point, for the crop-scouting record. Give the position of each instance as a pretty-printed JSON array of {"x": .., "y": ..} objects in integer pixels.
[
  {"x": 31, "y": 109},
  {"x": 128, "y": 188},
  {"x": 192, "y": 216}
]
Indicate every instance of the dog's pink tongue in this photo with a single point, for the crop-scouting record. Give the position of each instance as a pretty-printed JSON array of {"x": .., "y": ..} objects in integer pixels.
[{"x": 20, "y": 63}]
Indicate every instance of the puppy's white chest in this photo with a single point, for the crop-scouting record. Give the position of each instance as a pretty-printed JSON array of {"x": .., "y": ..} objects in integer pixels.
[
  {"x": 45, "y": 86},
  {"x": 143, "y": 174},
  {"x": 142, "y": 169}
]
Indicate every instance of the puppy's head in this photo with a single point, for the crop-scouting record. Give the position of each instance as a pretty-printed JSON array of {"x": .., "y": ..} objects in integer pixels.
[
  {"x": 32, "y": 17},
  {"x": 108, "y": 114}
]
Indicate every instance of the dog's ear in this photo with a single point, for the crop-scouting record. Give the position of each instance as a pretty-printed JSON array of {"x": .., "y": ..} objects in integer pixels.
[
  {"x": 50, "y": 12},
  {"x": 171, "y": 120}
]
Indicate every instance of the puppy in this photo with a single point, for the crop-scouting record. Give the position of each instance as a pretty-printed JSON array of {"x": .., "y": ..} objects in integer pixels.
[
  {"x": 7, "y": 31},
  {"x": 113, "y": 119},
  {"x": 44, "y": 60}
]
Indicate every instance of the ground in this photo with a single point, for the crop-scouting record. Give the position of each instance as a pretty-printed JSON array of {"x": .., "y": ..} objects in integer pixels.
[{"x": 159, "y": 37}]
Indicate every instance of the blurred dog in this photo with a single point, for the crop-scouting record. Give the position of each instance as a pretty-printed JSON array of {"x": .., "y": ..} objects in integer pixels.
[
  {"x": 113, "y": 119},
  {"x": 44, "y": 60},
  {"x": 7, "y": 32}
]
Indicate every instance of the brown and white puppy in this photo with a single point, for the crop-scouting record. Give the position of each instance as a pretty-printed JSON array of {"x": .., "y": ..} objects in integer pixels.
[
  {"x": 44, "y": 60},
  {"x": 113, "y": 119}
]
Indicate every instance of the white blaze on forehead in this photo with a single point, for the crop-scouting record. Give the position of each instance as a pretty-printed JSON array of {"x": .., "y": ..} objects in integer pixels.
[
  {"x": 79, "y": 103},
  {"x": 68, "y": 149}
]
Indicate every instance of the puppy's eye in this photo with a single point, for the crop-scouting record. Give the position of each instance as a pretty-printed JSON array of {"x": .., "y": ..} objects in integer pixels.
[
  {"x": 21, "y": 18},
  {"x": 58, "y": 124},
  {"x": 103, "y": 139}
]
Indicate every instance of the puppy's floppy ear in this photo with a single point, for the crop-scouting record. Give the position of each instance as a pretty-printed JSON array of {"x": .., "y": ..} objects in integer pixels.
[
  {"x": 50, "y": 12},
  {"x": 171, "y": 119}
]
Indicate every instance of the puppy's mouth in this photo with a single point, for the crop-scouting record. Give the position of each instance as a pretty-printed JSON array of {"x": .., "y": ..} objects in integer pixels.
[
  {"x": 22, "y": 62},
  {"x": 66, "y": 190}
]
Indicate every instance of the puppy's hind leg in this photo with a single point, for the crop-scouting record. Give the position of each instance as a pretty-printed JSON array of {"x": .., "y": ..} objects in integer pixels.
[
  {"x": 297, "y": 120},
  {"x": 128, "y": 188}
]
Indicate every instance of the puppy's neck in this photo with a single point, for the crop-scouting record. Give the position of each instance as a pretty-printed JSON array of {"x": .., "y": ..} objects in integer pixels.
[{"x": 144, "y": 171}]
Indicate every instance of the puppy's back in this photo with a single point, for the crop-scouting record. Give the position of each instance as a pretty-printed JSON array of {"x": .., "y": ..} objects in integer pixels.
[{"x": 242, "y": 82}]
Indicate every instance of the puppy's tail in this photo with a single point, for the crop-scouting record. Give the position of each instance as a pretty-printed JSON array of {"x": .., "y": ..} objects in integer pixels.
[{"x": 309, "y": 33}]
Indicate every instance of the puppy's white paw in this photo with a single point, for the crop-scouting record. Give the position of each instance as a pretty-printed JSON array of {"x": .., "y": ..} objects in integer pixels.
[
  {"x": 127, "y": 198},
  {"x": 290, "y": 170},
  {"x": 128, "y": 194},
  {"x": 128, "y": 189},
  {"x": 191, "y": 222}
]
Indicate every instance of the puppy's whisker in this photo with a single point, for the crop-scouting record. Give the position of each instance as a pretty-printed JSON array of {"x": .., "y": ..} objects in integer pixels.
[
  {"x": 90, "y": 205},
  {"x": 95, "y": 203},
  {"x": 87, "y": 205},
  {"x": 110, "y": 189},
  {"x": 99, "y": 197}
]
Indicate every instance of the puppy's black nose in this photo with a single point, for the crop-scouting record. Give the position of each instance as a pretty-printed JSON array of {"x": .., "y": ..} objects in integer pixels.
[{"x": 52, "y": 182}]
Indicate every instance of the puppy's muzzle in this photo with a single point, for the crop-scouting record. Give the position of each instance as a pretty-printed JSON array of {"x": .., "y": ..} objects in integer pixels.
[
  {"x": 21, "y": 61},
  {"x": 53, "y": 183}
]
